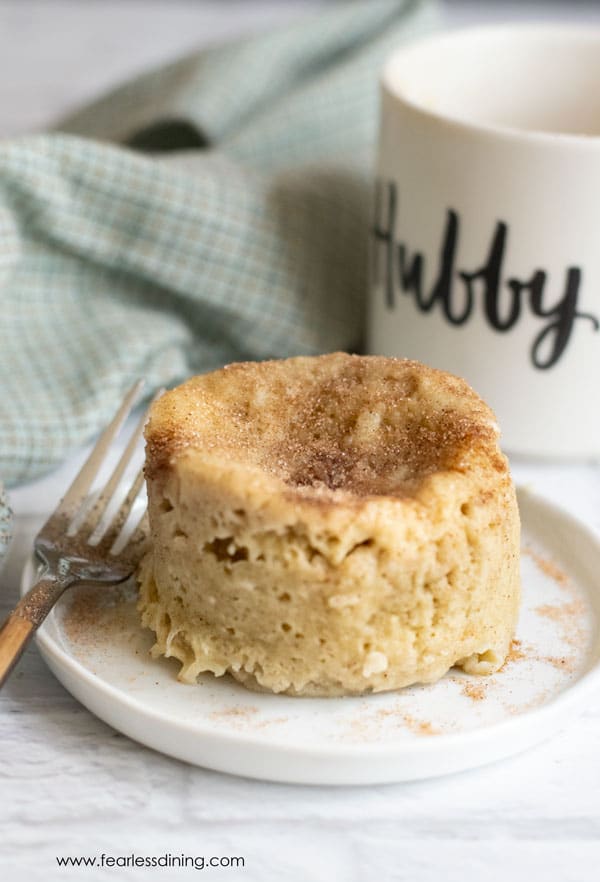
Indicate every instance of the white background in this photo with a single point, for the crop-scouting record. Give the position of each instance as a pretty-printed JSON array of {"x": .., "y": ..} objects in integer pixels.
[{"x": 71, "y": 785}]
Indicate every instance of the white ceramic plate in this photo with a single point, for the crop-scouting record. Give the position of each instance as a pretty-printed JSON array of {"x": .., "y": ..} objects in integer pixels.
[{"x": 96, "y": 648}]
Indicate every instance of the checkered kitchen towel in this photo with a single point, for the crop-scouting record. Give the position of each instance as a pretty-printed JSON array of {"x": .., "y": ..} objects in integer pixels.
[{"x": 213, "y": 210}]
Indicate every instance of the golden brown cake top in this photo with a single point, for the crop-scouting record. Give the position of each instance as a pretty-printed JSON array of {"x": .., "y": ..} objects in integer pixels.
[{"x": 366, "y": 425}]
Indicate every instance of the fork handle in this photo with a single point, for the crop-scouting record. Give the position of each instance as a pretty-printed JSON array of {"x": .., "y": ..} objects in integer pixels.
[{"x": 24, "y": 620}]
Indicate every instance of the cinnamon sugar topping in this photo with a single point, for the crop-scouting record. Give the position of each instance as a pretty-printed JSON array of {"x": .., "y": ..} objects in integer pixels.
[{"x": 364, "y": 425}]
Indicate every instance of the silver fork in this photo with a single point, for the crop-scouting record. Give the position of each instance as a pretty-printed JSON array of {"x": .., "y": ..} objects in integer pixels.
[{"x": 75, "y": 545}]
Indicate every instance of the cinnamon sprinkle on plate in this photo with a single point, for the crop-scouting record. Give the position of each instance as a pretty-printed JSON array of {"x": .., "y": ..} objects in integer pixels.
[{"x": 548, "y": 567}]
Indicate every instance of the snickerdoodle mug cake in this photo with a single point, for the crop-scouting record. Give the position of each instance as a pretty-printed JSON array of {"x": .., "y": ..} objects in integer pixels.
[{"x": 327, "y": 526}]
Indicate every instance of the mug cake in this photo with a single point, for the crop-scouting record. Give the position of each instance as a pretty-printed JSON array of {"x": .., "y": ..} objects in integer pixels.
[{"x": 328, "y": 526}]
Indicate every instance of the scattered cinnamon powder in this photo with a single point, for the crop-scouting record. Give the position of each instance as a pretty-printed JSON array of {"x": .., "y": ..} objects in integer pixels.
[
  {"x": 360, "y": 727},
  {"x": 569, "y": 616},
  {"x": 237, "y": 713},
  {"x": 367, "y": 725},
  {"x": 558, "y": 612},
  {"x": 274, "y": 721},
  {"x": 82, "y": 614},
  {"x": 536, "y": 701},
  {"x": 420, "y": 727},
  {"x": 515, "y": 653},
  {"x": 566, "y": 663},
  {"x": 561, "y": 663},
  {"x": 548, "y": 567},
  {"x": 474, "y": 691},
  {"x": 384, "y": 712},
  {"x": 96, "y": 616}
]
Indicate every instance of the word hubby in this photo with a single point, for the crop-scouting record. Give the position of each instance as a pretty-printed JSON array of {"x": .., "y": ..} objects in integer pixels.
[{"x": 454, "y": 292}]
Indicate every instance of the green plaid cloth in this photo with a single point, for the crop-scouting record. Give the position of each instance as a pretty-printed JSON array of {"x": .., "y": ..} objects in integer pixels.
[{"x": 213, "y": 210}]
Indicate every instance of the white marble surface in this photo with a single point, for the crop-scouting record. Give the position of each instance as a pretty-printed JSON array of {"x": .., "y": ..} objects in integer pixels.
[{"x": 69, "y": 785}]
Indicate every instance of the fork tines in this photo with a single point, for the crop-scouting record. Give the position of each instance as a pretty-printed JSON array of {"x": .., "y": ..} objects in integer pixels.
[{"x": 93, "y": 521}]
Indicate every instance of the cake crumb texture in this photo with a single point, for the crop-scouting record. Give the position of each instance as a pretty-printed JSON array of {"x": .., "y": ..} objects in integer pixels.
[{"x": 330, "y": 525}]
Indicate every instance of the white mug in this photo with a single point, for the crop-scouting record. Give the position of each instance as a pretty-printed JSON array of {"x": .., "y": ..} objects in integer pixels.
[{"x": 486, "y": 232}]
